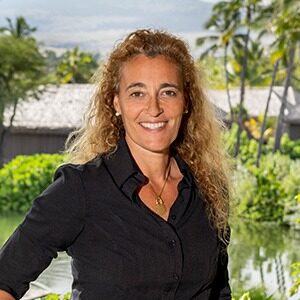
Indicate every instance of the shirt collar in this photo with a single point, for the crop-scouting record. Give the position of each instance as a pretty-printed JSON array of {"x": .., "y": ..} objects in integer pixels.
[
  {"x": 124, "y": 170},
  {"x": 129, "y": 177}
]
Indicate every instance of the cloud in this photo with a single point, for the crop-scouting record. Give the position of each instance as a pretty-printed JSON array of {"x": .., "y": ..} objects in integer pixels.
[
  {"x": 96, "y": 41},
  {"x": 95, "y": 25},
  {"x": 102, "y": 41},
  {"x": 78, "y": 23}
]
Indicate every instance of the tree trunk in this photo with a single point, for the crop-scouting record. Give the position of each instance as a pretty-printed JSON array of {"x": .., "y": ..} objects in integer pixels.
[
  {"x": 227, "y": 82},
  {"x": 263, "y": 126},
  {"x": 242, "y": 95},
  {"x": 279, "y": 127},
  {"x": 1, "y": 133},
  {"x": 4, "y": 131}
]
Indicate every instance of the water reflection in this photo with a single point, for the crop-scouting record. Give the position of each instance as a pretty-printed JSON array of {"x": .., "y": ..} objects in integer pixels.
[{"x": 259, "y": 255}]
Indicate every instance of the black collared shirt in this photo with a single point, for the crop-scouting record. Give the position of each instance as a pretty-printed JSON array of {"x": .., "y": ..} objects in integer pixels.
[{"x": 120, "y": 249}]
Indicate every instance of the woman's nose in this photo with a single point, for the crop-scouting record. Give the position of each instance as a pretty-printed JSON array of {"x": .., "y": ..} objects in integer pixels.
[{"x": 153, "y": 107}]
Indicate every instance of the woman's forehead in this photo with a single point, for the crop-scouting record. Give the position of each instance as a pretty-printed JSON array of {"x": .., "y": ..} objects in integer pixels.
[{"x": 145, "y": 66}]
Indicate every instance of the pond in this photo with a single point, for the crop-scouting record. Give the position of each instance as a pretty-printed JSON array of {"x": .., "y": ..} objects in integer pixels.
[{"x": 260, "y": 255}]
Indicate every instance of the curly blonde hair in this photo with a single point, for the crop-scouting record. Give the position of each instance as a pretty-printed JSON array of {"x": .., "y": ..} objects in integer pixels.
[{"x": 198, "y": 141}]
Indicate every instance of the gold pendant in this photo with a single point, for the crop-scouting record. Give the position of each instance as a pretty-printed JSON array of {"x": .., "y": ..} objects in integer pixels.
[{"x": 160, "y": 207}]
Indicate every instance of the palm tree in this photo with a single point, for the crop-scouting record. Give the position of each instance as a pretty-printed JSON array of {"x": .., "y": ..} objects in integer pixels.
[
  {"x": 224, "y": 21},
  {"x": 258, "y": 70},
  {"x": 76, "y": 67},
  {"x": 250, "y": 9},
  {"x": 19, "y": 29},
  {"x": 263, "y": 126},
  {"x": 287, "y": 30},
  {"x": 266, "y": 20}
]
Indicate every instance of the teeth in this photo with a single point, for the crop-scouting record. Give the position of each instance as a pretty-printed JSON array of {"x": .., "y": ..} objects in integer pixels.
[{"x": 153, "y": 125}]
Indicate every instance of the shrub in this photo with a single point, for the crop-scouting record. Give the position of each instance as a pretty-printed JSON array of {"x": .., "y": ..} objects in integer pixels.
[
  {"x": 263, "y": 193},
  {"x": 23, "y": 179},
  {"x": 249, "y": 147},
  {"x": 258, "y": 293}
]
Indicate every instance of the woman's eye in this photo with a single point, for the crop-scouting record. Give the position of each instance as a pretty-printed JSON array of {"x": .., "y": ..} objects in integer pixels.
[
  {"x": 137, "y": 94},
  {"x": 169, "y": 93}
]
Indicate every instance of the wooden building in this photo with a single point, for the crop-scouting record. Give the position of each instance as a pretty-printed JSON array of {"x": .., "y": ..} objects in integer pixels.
[{"x": 42, "y": 126}]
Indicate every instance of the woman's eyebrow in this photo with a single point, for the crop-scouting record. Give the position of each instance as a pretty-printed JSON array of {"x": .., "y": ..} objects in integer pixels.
[
  {"x": 143, "y": 85},
  {"x": 168, "y": 84},
  {"x": 135, "y": 84}
]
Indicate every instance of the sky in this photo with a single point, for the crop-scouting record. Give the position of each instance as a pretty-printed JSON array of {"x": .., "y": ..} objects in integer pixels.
[{"x": 96, "y": 25}]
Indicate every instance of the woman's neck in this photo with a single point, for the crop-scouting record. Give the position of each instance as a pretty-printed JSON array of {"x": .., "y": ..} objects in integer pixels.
[{"x": 154, "y": 165}]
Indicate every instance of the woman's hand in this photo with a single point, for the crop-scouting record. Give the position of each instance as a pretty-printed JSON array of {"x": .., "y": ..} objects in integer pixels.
[{"x": 5, "y": 296}]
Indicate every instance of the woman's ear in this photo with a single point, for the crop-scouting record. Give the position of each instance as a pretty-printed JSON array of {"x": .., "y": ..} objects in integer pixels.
[{"x": 117, "y": 105}]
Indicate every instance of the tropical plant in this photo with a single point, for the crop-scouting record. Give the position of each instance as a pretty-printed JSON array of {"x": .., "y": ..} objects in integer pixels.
[
  {"x": 296, "y": 274},
  {"x": 250, "y": 10},
  {"x": 285, "y": 22},
  {"x": 296, "y": 267},
  {"x": 263, "y": 126},
  {"x": 266, "y": 193},
  {"x": 254, "y": 294},
  {"x": 76, "y": 66},
  {"x": 258, "y": 69},
  {"x": 19, "y": 29},
  {"x": 21, "y": 72},
  {"x": 223, "y": 21}
]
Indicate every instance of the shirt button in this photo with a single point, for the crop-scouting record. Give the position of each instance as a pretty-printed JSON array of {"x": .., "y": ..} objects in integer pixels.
[
  {"x": 175, "y": 276},
  {"x": 173, "y": 217},
  {"x": 172, "y": 243}
]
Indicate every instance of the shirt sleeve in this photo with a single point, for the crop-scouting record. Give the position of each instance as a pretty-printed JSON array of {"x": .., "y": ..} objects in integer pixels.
[
  {"x": 221, "y": 287},
  {"x": 222, "y": 281},
  {"x": 52, "y": 224}
]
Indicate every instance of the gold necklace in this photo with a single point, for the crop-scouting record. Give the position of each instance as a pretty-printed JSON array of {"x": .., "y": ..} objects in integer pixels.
[{"x": 160, "y": 206}]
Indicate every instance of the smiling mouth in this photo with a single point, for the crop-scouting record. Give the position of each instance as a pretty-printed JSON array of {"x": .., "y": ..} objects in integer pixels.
[{"x": 153, "y": 125}]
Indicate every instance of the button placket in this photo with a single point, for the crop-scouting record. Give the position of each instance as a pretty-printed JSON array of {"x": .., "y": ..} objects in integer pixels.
[
  {"x": 172, "y": 243},
  {"x": 176, "y": 276}
]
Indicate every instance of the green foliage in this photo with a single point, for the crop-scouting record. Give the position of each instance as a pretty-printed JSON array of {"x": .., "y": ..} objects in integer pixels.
[
  {"x": 267, "y": 192},
  {"x": 249, "y": 146},
  {"x": 20, "y": 29},
  {"x": 259, "y": 69},
  {"x": 254, "y": 294},
  {"x": 8, "y": 223},
  {"x": 289, "y": 147},
  {"x": 21, "y": 68},
  {"x": 22, "y": 64},
  {"x": 57, "y": 297},
  {"x": 296, "y": 266},
  {"x": 214, "y": 71},
  {"x": 296, "y": 274},
  {"x": 76, "y": 66},
  {"x": 24, "y": 178},
  {"x": 263, "y": 193}
]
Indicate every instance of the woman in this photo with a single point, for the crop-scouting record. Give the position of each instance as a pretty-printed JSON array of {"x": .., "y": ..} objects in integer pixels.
[{"x": 143, "y": 209}]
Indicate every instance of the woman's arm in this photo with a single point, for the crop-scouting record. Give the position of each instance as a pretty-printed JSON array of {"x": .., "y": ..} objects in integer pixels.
[
  {"x": 6, "y": 296},
  {"x": 52, "y": 224}
]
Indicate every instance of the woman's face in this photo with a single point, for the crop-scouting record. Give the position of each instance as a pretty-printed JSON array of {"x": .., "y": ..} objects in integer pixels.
[{"x": 151, "y": 102}]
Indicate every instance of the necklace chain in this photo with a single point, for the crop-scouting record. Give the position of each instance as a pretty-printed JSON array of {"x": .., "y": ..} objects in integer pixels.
[{"x": 160, "y": 206}]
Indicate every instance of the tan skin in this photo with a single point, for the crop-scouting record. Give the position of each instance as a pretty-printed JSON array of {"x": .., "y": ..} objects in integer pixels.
[
  {"x": 151, "y": 104},
  {"x": 6, "y": 296}
]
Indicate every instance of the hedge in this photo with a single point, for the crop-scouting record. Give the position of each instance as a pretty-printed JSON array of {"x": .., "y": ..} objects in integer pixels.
[{"x": 23, "y": 179}]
